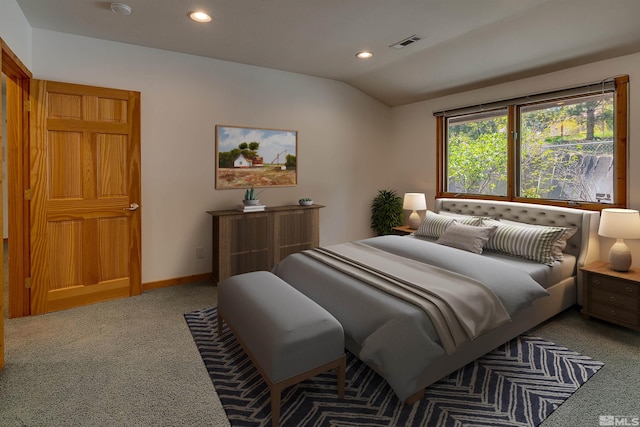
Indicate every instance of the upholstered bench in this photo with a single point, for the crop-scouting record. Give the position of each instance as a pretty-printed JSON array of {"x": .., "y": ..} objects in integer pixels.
[{"x": 287, "y": 336}]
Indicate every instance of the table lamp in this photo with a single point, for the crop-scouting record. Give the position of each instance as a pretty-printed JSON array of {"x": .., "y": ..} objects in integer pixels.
[
  {"x": 414, "y": 202},
  {"x": 620, "y": 224}
]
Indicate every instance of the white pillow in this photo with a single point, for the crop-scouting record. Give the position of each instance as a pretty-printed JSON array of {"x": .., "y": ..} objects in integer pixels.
[
  {"x": 560, "y": 244},
  {"x": 532, "y": 243},
  {"x": 433, "y": 224},
  {"x": 466, "y": 237}
]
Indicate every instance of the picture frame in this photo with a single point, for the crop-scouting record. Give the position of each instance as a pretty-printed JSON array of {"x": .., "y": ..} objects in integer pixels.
[{"x": 247, "y": 156}]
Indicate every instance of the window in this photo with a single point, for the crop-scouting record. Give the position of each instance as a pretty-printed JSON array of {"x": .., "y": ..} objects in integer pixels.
[
  {"x": 477, "y": 154},
  {"x": 566, "y": 148}
]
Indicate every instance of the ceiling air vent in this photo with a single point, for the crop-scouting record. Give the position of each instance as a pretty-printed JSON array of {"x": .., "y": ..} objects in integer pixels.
[{"x": 406, "y": 42}]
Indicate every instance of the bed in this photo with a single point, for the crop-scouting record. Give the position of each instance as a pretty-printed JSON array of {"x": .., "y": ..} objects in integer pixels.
[{"x": 406, "y": 343}]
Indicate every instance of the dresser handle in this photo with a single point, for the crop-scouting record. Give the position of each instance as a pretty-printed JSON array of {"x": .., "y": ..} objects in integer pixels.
[
  {"x": 612, "y": 313},
  {"x": 628, "y": 289},
  {"x": 596, "y": 281},
  {"x": 612, "y": 299}
]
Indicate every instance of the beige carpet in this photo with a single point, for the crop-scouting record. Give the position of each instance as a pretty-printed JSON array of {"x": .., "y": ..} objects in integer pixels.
[
  {"x": 133, "y": 362},
  {"x": 130, "y": 362}
]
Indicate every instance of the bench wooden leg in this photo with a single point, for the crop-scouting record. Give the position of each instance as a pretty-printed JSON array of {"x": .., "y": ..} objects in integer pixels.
[
  {"x": 415, "y": 397},
  {"x": 275, "y": 405},
  {"x": 340, "y": 376}
]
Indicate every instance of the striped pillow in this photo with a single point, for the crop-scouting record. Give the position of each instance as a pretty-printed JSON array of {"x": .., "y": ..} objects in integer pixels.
[
  {"x": 532, "y": 243},
  {"x": 433, "y": 224},
  {"x": 559, "y": 246}
]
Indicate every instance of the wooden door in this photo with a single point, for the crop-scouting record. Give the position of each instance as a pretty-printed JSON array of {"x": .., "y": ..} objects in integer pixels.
[
  {"x": 2, "y": 303},
  {"x": 85, "y": 177}
]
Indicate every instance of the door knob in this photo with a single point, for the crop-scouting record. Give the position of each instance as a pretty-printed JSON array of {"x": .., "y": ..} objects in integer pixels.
[{"x": 132, "y": 207}]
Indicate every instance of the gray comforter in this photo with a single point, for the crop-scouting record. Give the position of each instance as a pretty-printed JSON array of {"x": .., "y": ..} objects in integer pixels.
[
  {"x": 394, "y": 337},
  {"x": 460, "y": 308}
]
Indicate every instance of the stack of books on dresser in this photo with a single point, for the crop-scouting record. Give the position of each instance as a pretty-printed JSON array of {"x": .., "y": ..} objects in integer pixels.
[{"x": 251, "y": 208}]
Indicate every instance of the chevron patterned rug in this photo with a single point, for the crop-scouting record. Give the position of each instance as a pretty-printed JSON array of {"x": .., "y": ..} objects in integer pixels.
[{"x": 517, "y": 384}]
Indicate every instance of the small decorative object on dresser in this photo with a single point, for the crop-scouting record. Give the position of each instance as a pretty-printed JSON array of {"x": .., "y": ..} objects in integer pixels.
[
  {"x": 251, "y": 203},
  {"x": 305, "y": 201},
  {"x": 251, "y": 197},
  {"x": 611, "y": 295}
]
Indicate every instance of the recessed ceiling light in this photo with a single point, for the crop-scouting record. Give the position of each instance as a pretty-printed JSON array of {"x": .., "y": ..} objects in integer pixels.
[
  {"x": 120, "y": 9},
  {"x": 364, "y": 54},
  {"x": 199, "y": 16}
]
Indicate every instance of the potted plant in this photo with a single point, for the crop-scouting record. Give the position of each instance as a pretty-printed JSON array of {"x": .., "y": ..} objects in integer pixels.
[
  {"x": 305, "y": 201},
  {"x": 251, "y": 197},
  {"x": 386, "y": 212}
]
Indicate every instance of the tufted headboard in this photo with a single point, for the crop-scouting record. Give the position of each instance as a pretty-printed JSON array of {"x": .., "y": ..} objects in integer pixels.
[{"x": 584, "y": 245}]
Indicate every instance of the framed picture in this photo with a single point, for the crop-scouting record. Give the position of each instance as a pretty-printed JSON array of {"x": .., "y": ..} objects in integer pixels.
[{"x": 259, "y": 157}]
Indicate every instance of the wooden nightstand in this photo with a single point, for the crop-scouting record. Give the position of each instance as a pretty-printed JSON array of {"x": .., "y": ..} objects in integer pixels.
[
  {"x": 610, "y": 295},
  {"x": 403, "y": 230}
]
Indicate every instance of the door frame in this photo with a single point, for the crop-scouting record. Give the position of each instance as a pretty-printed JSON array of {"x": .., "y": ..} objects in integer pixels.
[{"x": 18, "y": 89}]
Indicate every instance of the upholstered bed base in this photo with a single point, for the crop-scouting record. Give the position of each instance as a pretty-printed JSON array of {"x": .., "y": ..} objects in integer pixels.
[
  {"x": 584, "y": 245},
  {"x": 562, "y": 296}
]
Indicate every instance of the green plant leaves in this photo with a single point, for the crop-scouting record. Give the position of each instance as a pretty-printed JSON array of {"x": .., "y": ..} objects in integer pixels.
[{"x": 386, "y": 212}]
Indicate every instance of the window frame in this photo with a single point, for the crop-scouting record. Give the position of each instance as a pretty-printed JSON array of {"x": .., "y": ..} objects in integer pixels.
[{"x": 621, "y": 88}]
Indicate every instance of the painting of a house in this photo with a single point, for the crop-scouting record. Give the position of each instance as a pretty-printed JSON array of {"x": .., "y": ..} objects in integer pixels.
[
  {"x": 241, "y": 153},
  {"x": 242, "y": 162}
]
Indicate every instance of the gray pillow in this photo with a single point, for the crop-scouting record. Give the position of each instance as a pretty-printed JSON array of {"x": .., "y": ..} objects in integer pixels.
[
  {"x": 433, "y": 224},
  {"x": 466, "y": 237}
]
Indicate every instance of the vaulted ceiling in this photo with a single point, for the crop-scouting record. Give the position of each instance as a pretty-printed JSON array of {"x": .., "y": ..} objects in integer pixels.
[{"x": 465, "y": 44}]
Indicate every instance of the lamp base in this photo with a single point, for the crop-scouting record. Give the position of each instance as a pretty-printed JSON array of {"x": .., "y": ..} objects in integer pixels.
[
  {"x": 414, "y": 220},
  {"x": 620, "y": 256}
]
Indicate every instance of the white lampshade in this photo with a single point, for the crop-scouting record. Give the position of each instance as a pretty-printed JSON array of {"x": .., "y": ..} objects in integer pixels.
[
  {"x": 414, "y": 202},
  {"x": 620, "y": 224}
]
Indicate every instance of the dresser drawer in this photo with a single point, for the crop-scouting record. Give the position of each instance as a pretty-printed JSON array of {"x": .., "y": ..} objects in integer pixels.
[
  {"x": 605, "y": 283},
  {"x": 604, "y": 296},
  {"x": 615, "y": 314}
]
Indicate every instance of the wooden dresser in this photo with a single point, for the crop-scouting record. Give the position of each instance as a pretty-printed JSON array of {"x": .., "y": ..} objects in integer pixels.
[
  {"x": 252, "y": 241},
  {"x": 612, "y": 295}
]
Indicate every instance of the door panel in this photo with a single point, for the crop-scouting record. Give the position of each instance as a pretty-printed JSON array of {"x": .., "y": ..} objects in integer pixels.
[{"x": 85, "y": 173}]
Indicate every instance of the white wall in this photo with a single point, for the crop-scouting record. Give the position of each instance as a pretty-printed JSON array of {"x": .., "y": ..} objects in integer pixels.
[
  {"x": 343, "y": 135},
  {"x": 349, "y": 144},
  {"x": 413, "y": 127},
  {"x": 16, "y": 33},
  {"x": 15, "y": 30}
]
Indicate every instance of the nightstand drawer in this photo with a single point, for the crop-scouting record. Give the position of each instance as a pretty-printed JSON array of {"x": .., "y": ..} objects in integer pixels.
[
  {"x": 615, "y": 314},
  {"x": 603, "y": 296},
  {"x": 613, "y": 285},
  {"x": 612, "y": 295}
]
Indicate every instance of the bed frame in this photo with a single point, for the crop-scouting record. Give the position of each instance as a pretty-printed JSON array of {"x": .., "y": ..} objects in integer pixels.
[{"x": 583, "y": 245}]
